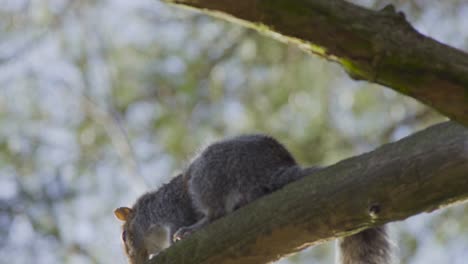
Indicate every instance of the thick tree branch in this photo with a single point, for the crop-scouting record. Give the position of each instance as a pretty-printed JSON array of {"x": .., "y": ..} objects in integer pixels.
[
  {"x": 420, "y": 173},
  {"x": 378, "y": 46}
]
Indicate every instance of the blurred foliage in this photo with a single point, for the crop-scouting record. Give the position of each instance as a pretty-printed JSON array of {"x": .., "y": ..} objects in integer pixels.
[{"x": 102, "y": 100}]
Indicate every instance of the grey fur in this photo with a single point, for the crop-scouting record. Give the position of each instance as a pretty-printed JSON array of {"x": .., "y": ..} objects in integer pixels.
[{"x": 225, "y": 176}]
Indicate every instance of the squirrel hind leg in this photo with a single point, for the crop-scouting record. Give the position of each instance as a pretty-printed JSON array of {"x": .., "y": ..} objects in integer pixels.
[{"x": 236, "y": 199}]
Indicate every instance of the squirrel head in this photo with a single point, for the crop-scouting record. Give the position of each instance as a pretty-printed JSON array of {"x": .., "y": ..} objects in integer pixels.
[
  {"x": 140, "y": 242},
  {"x": 133, "y": 244}
]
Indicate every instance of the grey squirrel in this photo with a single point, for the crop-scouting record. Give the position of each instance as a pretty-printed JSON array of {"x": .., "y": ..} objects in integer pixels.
[{"x": 224, "y": 177}]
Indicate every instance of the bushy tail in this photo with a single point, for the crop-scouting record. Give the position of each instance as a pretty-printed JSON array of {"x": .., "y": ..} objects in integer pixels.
[{"x": 371, "y": 246}]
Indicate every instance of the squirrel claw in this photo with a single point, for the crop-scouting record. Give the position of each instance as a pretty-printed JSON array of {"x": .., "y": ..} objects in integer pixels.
[{"x": 182, "y": 233}]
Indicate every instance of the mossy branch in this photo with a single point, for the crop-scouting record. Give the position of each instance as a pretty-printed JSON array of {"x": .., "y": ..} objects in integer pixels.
[
  {"x": 377, "y": 46},
  {"x": 420, "y": 173}
]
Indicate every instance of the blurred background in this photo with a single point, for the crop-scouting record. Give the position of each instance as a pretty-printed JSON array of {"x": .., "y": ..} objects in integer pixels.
[{"x": 103, "y": 100}]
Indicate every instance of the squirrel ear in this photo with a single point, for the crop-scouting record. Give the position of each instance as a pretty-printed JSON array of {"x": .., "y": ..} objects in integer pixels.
[{"x": 122, "y": 213}]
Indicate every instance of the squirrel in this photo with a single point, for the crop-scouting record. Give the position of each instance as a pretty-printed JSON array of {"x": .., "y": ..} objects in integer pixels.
[{"x": 225, "y": 176}]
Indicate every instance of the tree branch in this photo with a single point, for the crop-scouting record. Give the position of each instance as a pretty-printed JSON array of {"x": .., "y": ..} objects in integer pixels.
[
  {"x": 420, "y": 173},
  {"x": 378, "y": 46}
]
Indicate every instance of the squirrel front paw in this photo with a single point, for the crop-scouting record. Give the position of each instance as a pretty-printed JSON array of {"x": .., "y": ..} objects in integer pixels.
[{"x": 182, "y": 233}]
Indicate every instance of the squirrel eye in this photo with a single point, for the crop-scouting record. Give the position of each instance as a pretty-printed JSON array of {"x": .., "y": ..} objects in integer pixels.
[{"x": 124, "y": 236}]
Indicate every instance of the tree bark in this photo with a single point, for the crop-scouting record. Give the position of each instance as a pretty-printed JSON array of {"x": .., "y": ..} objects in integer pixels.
[
  {"x": 378, "y": 46},
  {"x": 420, "y": 173}
]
